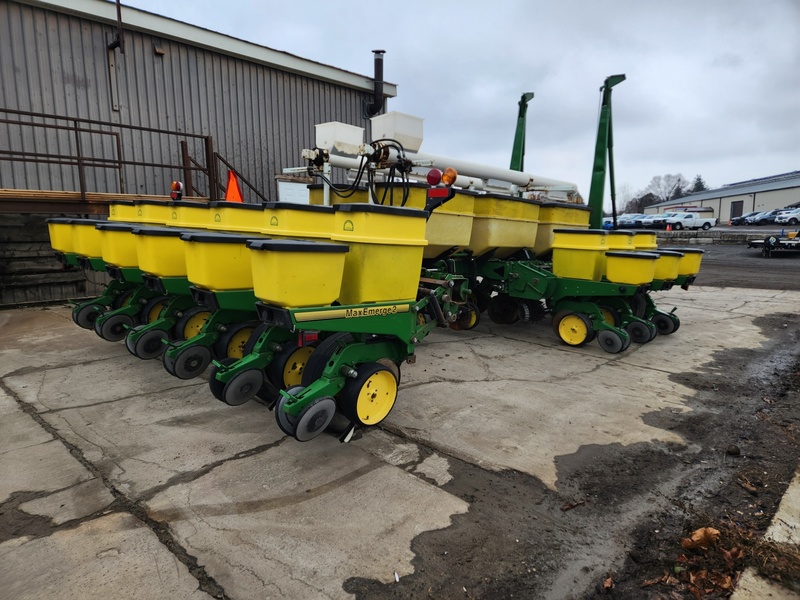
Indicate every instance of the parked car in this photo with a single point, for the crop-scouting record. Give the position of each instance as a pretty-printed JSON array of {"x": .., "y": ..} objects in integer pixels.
[
  {"x": 628, "y": 220},
  {"x": 684, "y": 220},
  {"x": 740, "y": 220},
  {"x": 789, "y": 217},
  {"x": 646, "y": 222},
  {"x": 763, "y": 218}
]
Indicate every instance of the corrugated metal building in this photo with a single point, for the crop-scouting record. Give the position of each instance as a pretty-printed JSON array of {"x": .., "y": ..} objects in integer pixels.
[
  {"x": 258, "y": 104},
  {"x": 736, "y": 199},
  {"x": 79, "y": 114}
]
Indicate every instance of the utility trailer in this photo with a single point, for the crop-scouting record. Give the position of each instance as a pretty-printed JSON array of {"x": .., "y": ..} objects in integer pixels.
[{"x": 773, "y": 243}]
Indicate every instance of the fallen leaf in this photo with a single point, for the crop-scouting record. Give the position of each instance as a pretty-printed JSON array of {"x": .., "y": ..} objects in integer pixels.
[
  {"x": 732, "y": 557},
  {"x": 747, "y": 485},
  {"x": 702, "y": 539},
  {"x": 654, "y": 581},
  {"x": 608, "y": 584},
  {"x": 571, "y": 505}
]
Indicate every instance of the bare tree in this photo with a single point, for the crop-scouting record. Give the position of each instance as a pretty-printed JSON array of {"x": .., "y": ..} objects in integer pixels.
[
  {"x": 666, "y": 187},
  {"x": 624, "y": 196}
]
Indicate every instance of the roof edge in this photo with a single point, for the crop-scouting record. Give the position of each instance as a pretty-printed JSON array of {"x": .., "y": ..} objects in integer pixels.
[{"x": 166, "y": 27}]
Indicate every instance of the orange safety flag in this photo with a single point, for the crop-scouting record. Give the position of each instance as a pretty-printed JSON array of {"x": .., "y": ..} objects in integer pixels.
[{"x": 233, "y": 193}]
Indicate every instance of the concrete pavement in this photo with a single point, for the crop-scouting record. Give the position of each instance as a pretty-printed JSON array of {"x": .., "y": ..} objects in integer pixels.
[{"x": 117, "y": 479}]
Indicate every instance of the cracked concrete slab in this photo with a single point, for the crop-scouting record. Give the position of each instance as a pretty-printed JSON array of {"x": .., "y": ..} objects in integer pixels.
[
  {"x": 31, "y": 340},
  {"x": 75, "y": 502},
  {"x": 269, "y": 517},
  {"x": 98, "y": 380},
  {"x": 149, "y": 439},
  {"x": 507, "y": 420},
  {"x": 19, "y": 430},
  {"x": 296, "y": 522},
  {"x": 46, "y": 467},
  {"x": 31, "y": 460},
  {"x": 114, "y": 556}
]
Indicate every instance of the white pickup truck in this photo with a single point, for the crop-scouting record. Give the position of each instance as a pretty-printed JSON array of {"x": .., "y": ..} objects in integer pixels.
[{"x": 682, "y": 220}]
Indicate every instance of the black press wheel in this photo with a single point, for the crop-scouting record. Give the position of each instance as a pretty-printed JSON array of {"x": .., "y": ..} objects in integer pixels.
[
  {"x": 86, "y": 315},
  {"x": 314, "y": 418},
  {"x": 114, "y": 328},
  {"x": 286, "y": 423},
  {"x": 169, "y": 363},
  {"x": 191, "y": 362},
  {"x": 216, "y": 386},
  {"x": 243, "y": 387},
  {"x": 664, "y": 323},
  {"x": 149, "y": 345},
  {"x": 368, "y": 398},
  {"x": 129, "y": 341},
  {"x": 611, "y": 341},
  {"x": 640, "y": 332}
]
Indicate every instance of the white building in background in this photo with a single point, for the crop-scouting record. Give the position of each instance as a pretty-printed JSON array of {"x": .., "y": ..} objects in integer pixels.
[{"x": 735, "y": 199}]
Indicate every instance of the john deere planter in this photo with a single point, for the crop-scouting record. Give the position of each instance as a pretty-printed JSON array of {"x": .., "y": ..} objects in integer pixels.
[{"x": 314, "y": 308}]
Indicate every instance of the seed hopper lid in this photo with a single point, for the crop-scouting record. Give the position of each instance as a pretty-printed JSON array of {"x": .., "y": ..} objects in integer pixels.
[
  {"x": 235, "y": 205},
  {"x": 114, "y": 226},
  {"x": 296, "y": 246},
  {"x": 688, "y": 250},
  {"x": 642, "y": 255},
  {"x": 87, "y": 221},
  {"x": 303, "y": 207},
  {"x": 187, "y": 203},
  {"x": 568, "y": 205},
  {"x": 382, "y": 209},
  {"x": 218, "y": 238},
  {"x": 159, "y": 231},
  {"x": 151, "y": 202},
  {"x": 582, "y": 231}
]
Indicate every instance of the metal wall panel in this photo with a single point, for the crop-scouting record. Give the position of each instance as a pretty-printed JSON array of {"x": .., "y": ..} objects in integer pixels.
[{"x": 260, "y": 117}]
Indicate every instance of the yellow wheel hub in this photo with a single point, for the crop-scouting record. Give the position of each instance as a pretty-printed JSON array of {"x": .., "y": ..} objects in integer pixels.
[
  {"x": 293, "y": 369},
  {"x": 195, "y": 324},
  {"x": 235, "y": 347},
  {"x": 376, "y": 397},
  {"x": 155, "y": 311},
  {"x": 573, "y": 330},
  {"x": 608, "y": 316}
]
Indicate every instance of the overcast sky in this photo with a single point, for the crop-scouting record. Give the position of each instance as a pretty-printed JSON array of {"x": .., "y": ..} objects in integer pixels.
[{"x": 713, "y": 86}]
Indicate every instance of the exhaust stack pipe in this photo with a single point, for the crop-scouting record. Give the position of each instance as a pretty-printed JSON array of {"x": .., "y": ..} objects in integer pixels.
[{"x": 374, "y": 107}]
